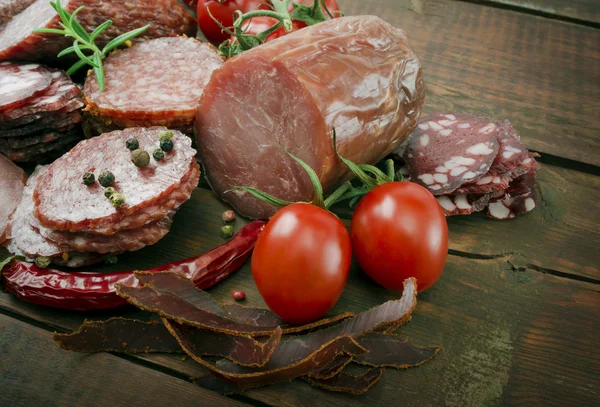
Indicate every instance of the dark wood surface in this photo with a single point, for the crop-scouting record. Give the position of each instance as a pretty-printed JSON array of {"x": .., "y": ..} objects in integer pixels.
[
  {"x": 517, "y": 311},
  {"x": 585, "y": 11}
]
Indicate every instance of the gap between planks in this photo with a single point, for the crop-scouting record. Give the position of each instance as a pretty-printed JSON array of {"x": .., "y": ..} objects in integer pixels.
[{"x": 533, "y": 12}]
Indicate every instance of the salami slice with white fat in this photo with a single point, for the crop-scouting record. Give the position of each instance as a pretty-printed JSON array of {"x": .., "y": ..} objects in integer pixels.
[
  {"x": 18, "y": 83},
  {"x": 63, "y": 202},
  {"x": 10, "y": 8},
  {"x": 159, "y": 79},
  {"x": 12, "y": 182},
  {"x": 520, "y": 197},
  {"x": 462, "y": 204},
  {"x": 448, "y": 150},
  {"x": 127, "y": 240}
]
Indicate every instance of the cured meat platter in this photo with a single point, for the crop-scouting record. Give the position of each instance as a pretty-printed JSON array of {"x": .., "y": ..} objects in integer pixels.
[{"x": 115, "y": 119}]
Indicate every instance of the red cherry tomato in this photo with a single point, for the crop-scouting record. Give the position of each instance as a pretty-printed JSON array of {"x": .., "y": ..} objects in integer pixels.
[
  {"x": 301, "y": 261},
  {"x": 223, "y": 11},
  {"x": 399, "y": 231}
]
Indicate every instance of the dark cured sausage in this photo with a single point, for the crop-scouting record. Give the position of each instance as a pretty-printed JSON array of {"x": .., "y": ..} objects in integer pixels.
[
  {"x": 166, "y": 17},
  {"x": 358, "y": 74}
]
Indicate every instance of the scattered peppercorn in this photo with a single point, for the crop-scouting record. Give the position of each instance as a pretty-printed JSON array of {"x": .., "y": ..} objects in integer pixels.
[
  {"x": 166, "y": 145},
  {"x": 43, "y": 261},
  {"x": 228, "y": 216},
  {"x": 111, "y": 260},
  {"x": 226, "y": 232},
  {"x": 238, "y": 295},
  {"x": 117, "y": 200},
  {"x": 132, "y": 144},
  {"x": 140, "y": 158},
  {"x": 109, "y": 191},
  {"x": 89, "y": 178},
  {"x": 165, "y": 135},
  {"x": 158, "y": 154},
  {"x": 106, "y": 178}
]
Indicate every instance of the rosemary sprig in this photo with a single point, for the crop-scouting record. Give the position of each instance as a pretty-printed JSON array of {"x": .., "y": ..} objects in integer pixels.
[{"x": 84, "y": 41}]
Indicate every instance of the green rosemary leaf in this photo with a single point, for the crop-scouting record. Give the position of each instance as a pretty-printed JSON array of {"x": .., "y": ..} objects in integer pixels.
[
  {"x": 76, "y": 67},
  {"x": 314, "y": 178},
  {"x": 99, "y": 71},
  {"x": 122, "y": 38},
  {"x": 82, "y": 56},
  {"x": 100, "y": 29},
  {"x": 263, "y": 196}
]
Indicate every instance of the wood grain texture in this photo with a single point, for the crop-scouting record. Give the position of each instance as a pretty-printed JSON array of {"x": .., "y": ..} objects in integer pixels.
[
  {"x": 507, "y": 334},
  {"x": 584, "y": 10},
  {"x": 541, "y": 74},
  {"x": 35, "y": 372}
]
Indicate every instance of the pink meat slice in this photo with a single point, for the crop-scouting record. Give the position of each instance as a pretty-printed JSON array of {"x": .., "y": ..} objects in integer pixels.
[
  {"x": 520, "y": 197},
  {"x": 357, "y": 74},
  {"x": 12, "y": 183},
  {"x": 448, "y": 150},
  {"x": 18, "y": 42},
  {"x": 462, "y": 204},
  {"x": 126, "y": 240},
  {"x": 63, "y": 202},
  {"x": 513, "y": 160},
  {"x": 25, "y": 240},
  {"x": 161, "y": 78},
  {"x": 61, "y": 91},
  {"x": 10, "y": 8},
  {"x": 18, "y": 83}
]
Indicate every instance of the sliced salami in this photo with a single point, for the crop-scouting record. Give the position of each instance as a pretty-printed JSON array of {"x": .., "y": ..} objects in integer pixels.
[
  {"x": 40, "y": 151},
  {"x": 127, "y": 240},
  {"x": 520, "y": 197},
  {"x": 63, "y": 202},
  {"x": 23, "y": 142},
  {"x": 57, "y": 96},
  {"x": 10, "y": 8},
  {"x": 462, "y": 204},
  {"x": 72, "y": 106},
  {"x": 12, "y": 183},
  {"x": 18, "y": 42},
  {"x": 36, "y": 128},
  {"x": 448, "y": 150},
  {"x": 18, "y": 83},
  {"x": 156, "y": 79}
]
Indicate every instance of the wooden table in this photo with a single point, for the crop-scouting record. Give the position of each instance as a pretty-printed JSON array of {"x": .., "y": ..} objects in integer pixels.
[{"x": 517, "y": 311}]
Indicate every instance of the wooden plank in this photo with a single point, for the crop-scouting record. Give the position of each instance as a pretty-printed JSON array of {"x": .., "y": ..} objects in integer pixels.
[
  {"x": 561, "y": 234},
  {"x": 495, "y": 323},
  {"x": 541, "y": 74},
  {"x": 34, "y": 371},
  {"x": 584, "y": 10}
]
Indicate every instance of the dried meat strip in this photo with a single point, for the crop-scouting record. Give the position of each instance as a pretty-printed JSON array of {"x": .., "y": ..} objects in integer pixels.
[
  {"x": 348, "y": 383},
  {"x": 388, "y": 350},
  {"x": 65, "y": 203},
  {"x": 463, "y": 204},
  {"x": 448, "y": 150},
  {"x": 333, "y": 368},
  {"x": 12, "y": 183},
  {"x": 520, "y": 197},
  {"x": 19, "y": 83}
]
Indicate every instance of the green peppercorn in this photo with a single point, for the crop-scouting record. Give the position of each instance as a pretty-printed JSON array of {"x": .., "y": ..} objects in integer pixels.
[
  {"x": 109, "y": 191},
  {"x": 166, "y": 145},
  {"x": 43, "y": 261},
  {"x": 226, "y": 232},
  {"x": 140, "y": 158},
  {"x": 111, "y": 260},
  {"x": 158, "y": 154},
  {"x": 106, "y": 178},
  {"x": 165, "y": 135},
  {"x": 117, "y": 200},
  {"x": 132, "y": 144},
  {"x": 89, "y": 178}
]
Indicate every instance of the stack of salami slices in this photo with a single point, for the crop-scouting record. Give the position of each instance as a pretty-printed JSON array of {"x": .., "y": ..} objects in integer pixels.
[
  {"x": 40, "y": 112},
  {"x": 470, "y": 163},
  {"x": 68, "y": 222},
  {"x": 154, "y": 83}
]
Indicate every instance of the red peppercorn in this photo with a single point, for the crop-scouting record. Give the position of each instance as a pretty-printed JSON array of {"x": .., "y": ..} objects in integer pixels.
[{"x": 238, "y": 295}]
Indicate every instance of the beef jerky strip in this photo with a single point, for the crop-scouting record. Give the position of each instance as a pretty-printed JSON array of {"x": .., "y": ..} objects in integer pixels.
[
  {"x": 348, "y": 383},
  {"x": 388, "y": 350},
  {"x": 519, "y": 198},
  {"x": 462, "y": 204},
  {"x": 187, "y": 291},
  {"x": 333, "y": 368},
  {"x": 308, "y": 353},
  {"x": 132, "y": 336}
]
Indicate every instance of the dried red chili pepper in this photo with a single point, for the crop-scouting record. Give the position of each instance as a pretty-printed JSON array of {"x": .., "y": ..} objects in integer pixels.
[{"x": 87, "y": 291}]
